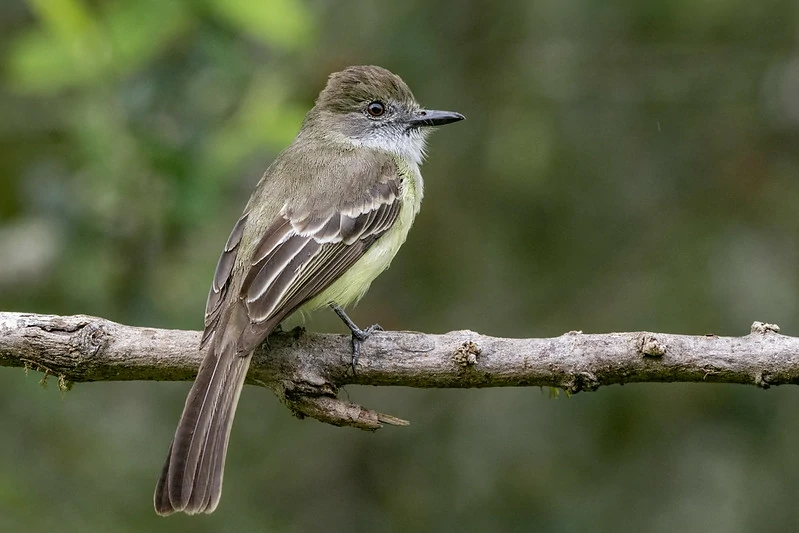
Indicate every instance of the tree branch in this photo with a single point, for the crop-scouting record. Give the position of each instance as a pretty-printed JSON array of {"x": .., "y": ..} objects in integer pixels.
[{"x": 306, "y": 370}]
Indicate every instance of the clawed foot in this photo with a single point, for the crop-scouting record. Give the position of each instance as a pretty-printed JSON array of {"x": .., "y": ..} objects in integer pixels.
[{"x": 358, "y": 335}]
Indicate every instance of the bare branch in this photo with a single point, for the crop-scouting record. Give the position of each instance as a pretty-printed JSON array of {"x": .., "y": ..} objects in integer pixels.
[{"x": 306, "y": 370}]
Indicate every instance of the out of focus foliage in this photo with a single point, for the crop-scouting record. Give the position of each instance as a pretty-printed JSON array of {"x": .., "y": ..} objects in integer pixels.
[{"x": 624, "y": 165}]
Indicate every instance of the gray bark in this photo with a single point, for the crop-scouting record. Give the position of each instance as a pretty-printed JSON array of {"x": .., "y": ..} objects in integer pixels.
[{"x": 306, "y": 370}]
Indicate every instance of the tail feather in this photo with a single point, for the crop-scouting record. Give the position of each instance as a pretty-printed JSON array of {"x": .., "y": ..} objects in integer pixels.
[
  {"x": 207, "y": 484},
  {"x": 216, "y": 448},
  {"x": 191, "y": 480},
  {"x": 163, "y": 505}
]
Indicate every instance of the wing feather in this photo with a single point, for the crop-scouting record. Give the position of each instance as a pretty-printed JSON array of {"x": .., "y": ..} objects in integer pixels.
[
  {"x": 222, "y": 276},
  {"x": 259, "y": 280},
  {"x": 263, "y": 305},
  {"x": 311, "y": 255},
  {"x": 271, "y": 240}
]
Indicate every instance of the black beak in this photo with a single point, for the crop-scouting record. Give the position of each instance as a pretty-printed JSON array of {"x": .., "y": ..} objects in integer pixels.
[{"x": 434, "y": 118}]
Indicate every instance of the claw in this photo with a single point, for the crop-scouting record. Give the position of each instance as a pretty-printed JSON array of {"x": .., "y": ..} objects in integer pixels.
[{"x": 358, "y": 335}]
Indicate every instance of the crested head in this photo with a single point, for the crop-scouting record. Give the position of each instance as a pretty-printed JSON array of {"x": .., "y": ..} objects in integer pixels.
[
  {"x": 353, "y": 87},
  {"x": 369, "y": 106}
]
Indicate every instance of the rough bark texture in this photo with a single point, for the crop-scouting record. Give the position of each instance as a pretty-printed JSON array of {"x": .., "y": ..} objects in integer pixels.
[{"x": 306, "y": 370}]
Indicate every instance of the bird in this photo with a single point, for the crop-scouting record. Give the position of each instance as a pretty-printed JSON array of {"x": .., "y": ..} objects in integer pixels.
[{"x": 325, "y": 219}]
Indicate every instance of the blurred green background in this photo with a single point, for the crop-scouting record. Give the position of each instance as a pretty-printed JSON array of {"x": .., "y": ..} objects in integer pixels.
[{"x": 624, "y": 166}]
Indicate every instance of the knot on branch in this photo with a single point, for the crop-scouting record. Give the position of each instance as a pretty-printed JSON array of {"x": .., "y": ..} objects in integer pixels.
[
  {"x": 89, "y": 340},
  {"x": 581, "y": 381},
  {"x": 764, "y": 328},
  {"x": 466, "y": 354},
  {"x": 649, "y": 345},
  {"x": 762, "y": 380}
]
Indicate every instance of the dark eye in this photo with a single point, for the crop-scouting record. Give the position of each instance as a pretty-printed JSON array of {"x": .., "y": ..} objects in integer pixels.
[{"x": 376, "y": 109}]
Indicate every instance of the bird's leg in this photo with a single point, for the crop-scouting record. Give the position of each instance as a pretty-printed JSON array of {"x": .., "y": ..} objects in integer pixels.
[{"x": 358, "y": 335}]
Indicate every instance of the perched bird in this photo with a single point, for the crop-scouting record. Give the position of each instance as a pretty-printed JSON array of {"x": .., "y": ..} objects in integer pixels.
[{"x": 325, "y": 219}]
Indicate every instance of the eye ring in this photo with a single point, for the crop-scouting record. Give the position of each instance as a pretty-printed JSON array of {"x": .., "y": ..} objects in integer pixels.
[{"x": 376, "y": 109}]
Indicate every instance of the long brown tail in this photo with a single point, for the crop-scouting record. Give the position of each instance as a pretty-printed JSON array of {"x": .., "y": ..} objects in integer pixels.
[{"x": 191, "y": 480}]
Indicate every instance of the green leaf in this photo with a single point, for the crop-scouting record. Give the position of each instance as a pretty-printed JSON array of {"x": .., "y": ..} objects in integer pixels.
[
  {"x": 62, "y": 51},
  {"x": 74, "y": 47},
  {"x": 138, "y": 30},
  {"x": 282, "y": 23}
]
